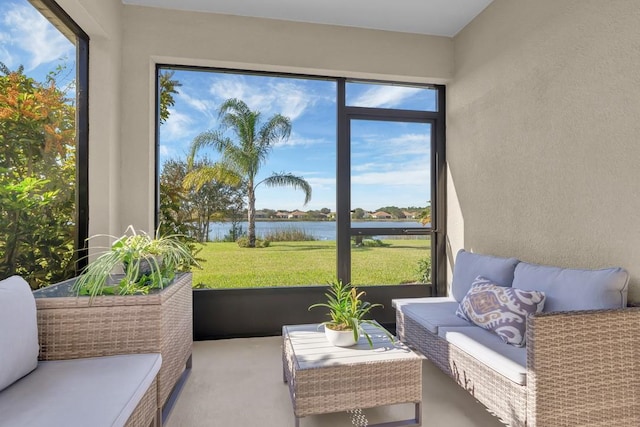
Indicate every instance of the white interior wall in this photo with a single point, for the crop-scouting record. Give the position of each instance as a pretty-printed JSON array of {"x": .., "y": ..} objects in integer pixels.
[
  {"x": 542, "y": 134},
  {"x": 165, "y": 36},
  {"x": 102, "y": 21}
]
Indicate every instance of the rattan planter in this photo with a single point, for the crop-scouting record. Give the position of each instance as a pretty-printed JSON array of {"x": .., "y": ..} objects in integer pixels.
[{"x": 161, "y": 322}]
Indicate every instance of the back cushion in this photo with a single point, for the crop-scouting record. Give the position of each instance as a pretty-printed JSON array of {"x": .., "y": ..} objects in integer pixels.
[
  {"x": 18, "y": 331},
  {"x": 469, "y": 266},
  {"x": 569, "y": 289}
]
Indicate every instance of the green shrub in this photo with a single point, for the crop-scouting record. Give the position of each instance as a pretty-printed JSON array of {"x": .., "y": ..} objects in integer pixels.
[
  {"x": 424, "y": 270},
  {"x": 289, "y": 235},
  {"x": 243, "y": 242},
  {"x": 368, "y": 242},
  {"x": 235, "y": 232}
]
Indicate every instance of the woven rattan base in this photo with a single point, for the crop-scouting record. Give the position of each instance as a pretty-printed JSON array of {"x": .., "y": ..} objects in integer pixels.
[
  {"x": 582, "y": 369},
  {"x": 324, "y": 379},
  {"x": 71, "y": 328},
  {"x": 506, "y": 399},
  {"x": 146, "y": 413}
]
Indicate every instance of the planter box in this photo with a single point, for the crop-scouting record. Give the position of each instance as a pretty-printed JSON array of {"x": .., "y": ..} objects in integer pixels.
[{"x": 161, "y": 322}]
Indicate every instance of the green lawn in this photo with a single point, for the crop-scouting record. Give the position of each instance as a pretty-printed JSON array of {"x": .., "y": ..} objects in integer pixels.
[{"x": 306, "y": 263}]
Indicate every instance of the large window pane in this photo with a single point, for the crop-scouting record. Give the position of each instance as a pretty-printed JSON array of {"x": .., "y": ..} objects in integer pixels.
[
  {"x": 204, "y": 200},
  {"x": 379, "y": 95},
  {"x": 390, "y": 173},
  {"x": 39, "y": 231},
  {"x": 209, "y": 124},
  {"x": 390, "y": 260}
]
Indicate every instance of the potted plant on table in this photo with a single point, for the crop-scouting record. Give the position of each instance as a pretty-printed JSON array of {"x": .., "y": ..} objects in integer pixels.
[{"x": 347, "y": 312}]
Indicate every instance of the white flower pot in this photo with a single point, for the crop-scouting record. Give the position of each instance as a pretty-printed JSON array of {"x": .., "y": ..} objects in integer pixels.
[{"x": 340, "y": 338}]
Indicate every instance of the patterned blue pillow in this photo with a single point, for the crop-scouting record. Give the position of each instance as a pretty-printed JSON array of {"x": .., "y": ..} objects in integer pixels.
[{"x": 500, "y": 310}]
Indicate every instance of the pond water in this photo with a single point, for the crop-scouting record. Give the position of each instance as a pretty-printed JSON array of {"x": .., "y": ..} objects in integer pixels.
[{"x": 321, "y": 230}]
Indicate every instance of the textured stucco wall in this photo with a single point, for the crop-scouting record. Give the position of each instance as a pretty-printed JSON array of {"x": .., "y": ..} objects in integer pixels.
[
  {"x": 543, "y": 134},
  {"x": 102, "y": 21},
  {"x": 163, "y": 36}
]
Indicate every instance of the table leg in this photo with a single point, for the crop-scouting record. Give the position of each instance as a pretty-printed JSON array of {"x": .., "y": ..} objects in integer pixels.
[{"x": 417, "y": 421}]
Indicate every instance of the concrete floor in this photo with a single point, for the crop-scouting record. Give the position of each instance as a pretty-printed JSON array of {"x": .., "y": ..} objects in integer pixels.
[{"x": 238, "y": 383}]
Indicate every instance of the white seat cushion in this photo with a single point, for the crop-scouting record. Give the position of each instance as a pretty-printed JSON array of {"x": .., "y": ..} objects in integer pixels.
[
  {"x": 96, "y": 392},
  {"x": 489, "y": 349},
  {"x": 18, "y": 331},
  {"x": 431, "y": 313}
]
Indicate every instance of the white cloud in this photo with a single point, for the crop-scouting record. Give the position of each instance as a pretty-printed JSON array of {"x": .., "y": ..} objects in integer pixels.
[
  {"x": 321, "y": 182},
  {"x": 30, "y": 32},
  {"x": 7, "y": 58},
  {"x": 411, "y": 138},
  {"x": 412, "y": 177},
  {"x": 295, "y": 140},
  {"x": 166, "y": 151},
  {"x": 412, "y": 144},
  {"x": 178, "y": 126},
  {"x": 385, "y": 96},
  {"x": 204, "y": 106},
  {"x": 365, "y": 167},
  {"x": 284, "y": 97}
]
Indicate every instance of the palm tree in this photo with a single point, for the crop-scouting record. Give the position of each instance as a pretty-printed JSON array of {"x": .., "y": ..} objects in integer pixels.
[{"x": 242, "y": 158}]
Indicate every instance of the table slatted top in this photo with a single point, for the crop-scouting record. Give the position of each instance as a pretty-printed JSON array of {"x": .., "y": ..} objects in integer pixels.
[{"x": 312, "y": 350}]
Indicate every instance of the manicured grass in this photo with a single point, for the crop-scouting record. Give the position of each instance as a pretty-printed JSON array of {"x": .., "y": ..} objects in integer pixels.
[{"x": 306, "y": 263}]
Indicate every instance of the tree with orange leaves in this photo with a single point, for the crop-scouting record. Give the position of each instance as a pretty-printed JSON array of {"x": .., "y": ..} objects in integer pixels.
[{"x": 37, "y": 179}]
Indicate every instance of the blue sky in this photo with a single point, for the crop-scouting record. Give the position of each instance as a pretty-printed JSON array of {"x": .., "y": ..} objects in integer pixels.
[
  {"x": 28, "y": 39},
  {"x": 390, "y": 161}
]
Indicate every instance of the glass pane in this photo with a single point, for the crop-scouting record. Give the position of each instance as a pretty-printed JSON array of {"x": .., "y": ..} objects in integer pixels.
[
  {"x": 390, "y": 260},
  {"x": 390, "y": 174},
  {"x": 301, "y": 237},
  {"x": 37, "y": 147},
  {"x": 391, "y": 96}
]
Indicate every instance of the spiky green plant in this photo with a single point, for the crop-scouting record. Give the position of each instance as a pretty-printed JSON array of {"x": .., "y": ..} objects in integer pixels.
[
  {"x": 348, "y": 311},
  {"x": 147, "y": 261}
]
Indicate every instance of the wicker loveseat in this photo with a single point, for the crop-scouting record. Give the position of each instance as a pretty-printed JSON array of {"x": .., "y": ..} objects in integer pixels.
[
  {"x": 580, "y": 365},
  {"x": 110, "y": 391}
]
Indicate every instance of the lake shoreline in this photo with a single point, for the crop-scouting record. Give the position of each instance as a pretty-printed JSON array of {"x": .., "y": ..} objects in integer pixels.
[{"x": 319, "y": 229}]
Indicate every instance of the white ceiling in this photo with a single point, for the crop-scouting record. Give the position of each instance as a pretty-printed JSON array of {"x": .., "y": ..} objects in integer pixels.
[{"x": 435, "y": 17}]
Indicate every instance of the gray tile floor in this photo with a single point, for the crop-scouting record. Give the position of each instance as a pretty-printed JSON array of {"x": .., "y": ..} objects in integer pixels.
[{"x": 238, "y": 383}]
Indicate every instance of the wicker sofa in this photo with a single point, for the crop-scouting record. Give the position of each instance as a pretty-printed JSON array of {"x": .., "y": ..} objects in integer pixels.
[
  {"x": 580, "y": 365},
  {"x": 109, "y": 391}
]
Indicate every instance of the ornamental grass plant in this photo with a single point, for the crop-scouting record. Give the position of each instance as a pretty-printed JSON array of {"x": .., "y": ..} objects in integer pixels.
[
  {"x": 134, "y": 264},
  {"x": 348, "y": 311}
]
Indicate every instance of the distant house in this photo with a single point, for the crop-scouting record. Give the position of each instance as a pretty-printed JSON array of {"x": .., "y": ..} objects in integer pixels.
[
  {"x": 282, "y": 214},
  {"x": 410, "y": 215},
  {"x": 381, "y": 215},
  {"x": 297, "y": 215},
  {"x": 260, "y": 215}
]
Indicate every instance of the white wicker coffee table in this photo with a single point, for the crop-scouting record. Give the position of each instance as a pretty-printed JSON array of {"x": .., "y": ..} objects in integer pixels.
[{"x": 323, "y": 378}]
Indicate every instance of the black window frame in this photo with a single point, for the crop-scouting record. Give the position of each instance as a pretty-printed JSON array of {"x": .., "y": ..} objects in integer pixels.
[
  {"x": 60, "y": 19},
  {"x": 437, "y": 228},
  {"x": 345, "y": 114}
]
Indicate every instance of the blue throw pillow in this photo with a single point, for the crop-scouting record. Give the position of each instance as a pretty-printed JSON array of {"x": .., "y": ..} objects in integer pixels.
[
  {"x": 573, "y": 289},
  {"x": 468, "y": 266}
]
